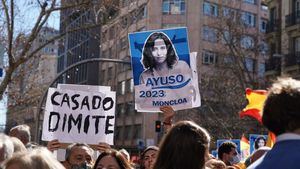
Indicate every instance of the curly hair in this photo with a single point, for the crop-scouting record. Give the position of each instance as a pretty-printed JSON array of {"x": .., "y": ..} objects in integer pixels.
[
  {"x": 281, "y": 112},
  {"x": 148, "y": 60}
]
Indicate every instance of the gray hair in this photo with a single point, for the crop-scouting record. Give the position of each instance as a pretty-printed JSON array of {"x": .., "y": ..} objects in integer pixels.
[
  {"x": 70, "y": 147},
  {"x": 7, "y": 145},
  {"x": 34, "y": 159},
  {"x": 23, "y": 130}
]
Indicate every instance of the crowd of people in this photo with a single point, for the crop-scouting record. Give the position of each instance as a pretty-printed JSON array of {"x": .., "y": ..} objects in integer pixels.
[{"x": 185, "y": 144}]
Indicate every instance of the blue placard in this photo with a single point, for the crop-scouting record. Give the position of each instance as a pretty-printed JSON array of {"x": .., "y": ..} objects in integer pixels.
[
  {"x": 161, "y": 69},
  {"x": 256, "y": 141}
]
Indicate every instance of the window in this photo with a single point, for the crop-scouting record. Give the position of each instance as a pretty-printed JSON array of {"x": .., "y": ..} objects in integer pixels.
[
  {"x": 261, "y": 70},
  {"x": 102, "y": 76},
  {"x": 118, "y": 133},
  {"x": 111, "y": 33},
  {"x": 121, "y": 87},
  {"x": 297, "y": 44},
  {"x": 124, "y": 3},
  {"x": 209, "y": 34},
  {"x": 173, "y": 7},
  {"x": 127, "y": 133},
  {"x": 264, "y": 7},
  {"x": 141, "y": 13},
  {"x": 273, "y": 15},
  {"x": 226, "y": 38},
  {"x": 249, "y": 64},
  {"x": 210, "y": 9},
  {"x": 229, "y": 12},
  {"x": 297, "y": 8},
  {"x": 123, "y": 43},
  {"x": 228, "y": 59},
  {"x": 131, "y": 85},
  {"x": 208, "y": 57},
  {"x": 247, "y": 42},
  {"x": 109, "y": 73},
  {"x": 137, "y": 131},
  {"x": 263, "y": 25},
  {"x": 249, "y": 19},
  {"x": 172, "y": 25},
  {"x": 250, "y": 1}
]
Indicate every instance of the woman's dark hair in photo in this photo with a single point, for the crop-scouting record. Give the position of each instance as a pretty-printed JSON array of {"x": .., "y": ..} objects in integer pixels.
[
  {"x": 257, "y": 141},
  {"x": 121, "y": 160},
  {"x": 185, "y": 146},
  {"x": 148, "y": 60}
]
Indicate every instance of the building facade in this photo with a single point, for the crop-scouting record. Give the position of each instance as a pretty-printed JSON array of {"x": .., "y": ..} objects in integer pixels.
[
  {"x": 78, "y": 45},
  {"x": 284, "y": 38},
  {"x": 135, "y": 129},
  {"x": 30, "y": 81}
]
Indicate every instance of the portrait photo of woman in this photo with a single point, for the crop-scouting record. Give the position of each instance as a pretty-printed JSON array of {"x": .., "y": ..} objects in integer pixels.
[
  {"x": 260, "y": 141},
  {"x": 160, "y": 59}
]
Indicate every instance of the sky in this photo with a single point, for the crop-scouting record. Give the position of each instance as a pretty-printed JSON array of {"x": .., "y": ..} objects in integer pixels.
[{"x": 26, "y": 15}]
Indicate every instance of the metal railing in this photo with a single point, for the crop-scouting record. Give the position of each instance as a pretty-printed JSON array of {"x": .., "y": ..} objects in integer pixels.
[{"x": 292, "y": 18}]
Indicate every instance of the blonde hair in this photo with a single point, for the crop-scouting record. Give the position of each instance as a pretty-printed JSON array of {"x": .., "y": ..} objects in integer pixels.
[
  {"x": 18, "y": 145},
  {"x": 35, "y": 159}
]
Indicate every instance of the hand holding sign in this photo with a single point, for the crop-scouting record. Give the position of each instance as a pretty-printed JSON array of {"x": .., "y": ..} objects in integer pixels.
[
  {"x": 168, "y": 113},
  {"x": 53, "y": 145}
]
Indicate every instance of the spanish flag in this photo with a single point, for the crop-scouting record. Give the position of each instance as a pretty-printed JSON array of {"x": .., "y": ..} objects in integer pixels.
[
  {"x": 256, "y": 100},
  {"x": 245, "y": 147}
]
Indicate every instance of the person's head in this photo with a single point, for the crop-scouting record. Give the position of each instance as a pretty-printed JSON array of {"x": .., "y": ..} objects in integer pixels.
[
  {"x": 149, "y": 156},
  {"x": 125, "y": 153},
  {"x": 18, "y": 145},
  {"x": 227, "y": 152},
  {"x": 6, "y": 147},
  {"x": 185, "y": 146},
  {"x": 281, "y": 112},
  {"x": 35, "y": 159},
  {"x": 158, "y": 49},
  {"x": 79, "y": 154},
  {"x": 260, "y": 141},
  {"x": 215, "y": 164},
  {"x": 111, "y": 159},
  {"x": 21, "y": 132},
  {"x": 256, "y": 155}
]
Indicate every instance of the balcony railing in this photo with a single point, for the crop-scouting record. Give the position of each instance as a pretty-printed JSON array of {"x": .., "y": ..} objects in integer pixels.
[
  {"x": 292, "y": 19},
  {"x": 273, "y": 26},
  {"x": 273, "y": 64},
  {"x": 292, "y": 59}
]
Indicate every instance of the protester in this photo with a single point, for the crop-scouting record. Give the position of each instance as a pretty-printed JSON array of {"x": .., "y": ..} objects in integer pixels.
[
  {"x": 185, "y": 146},
  {"x": 256, "y": 155},
  {"x": 38, "y": 158},
  {"x": 148, "y": 157},
  {"x": 22, "y": 132},
  {"x": 281, "y": 115},
  {"x": 227, "y": 152},
  {"x": 18, "y": 145},
  {"x": 111, "y": 159},
  {"x": 78, "y": 155},
  {"x": 6, "y": 147},
  {"x": 215, "y": 164}
]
